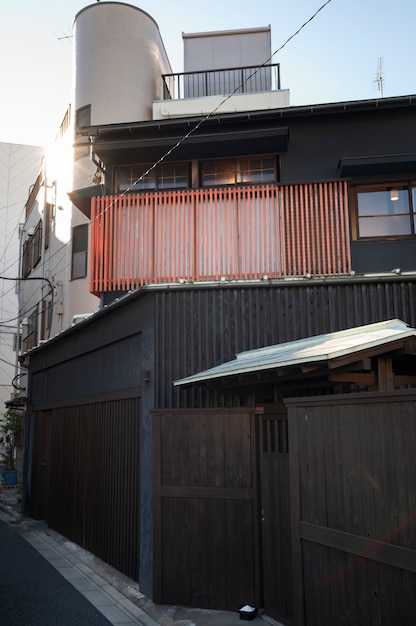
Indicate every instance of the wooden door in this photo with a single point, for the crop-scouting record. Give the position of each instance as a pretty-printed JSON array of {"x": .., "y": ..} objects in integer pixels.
[
  {"x": 205, "y": 508},
  {"x": 40, "y": 471},
  {"x": 275, "y": 513}
]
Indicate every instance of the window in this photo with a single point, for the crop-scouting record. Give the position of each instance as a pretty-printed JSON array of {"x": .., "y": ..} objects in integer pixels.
[
  {"x": 26, "y": 258},
  {"x": 30, "y": 339},
  {"x": 82, "y": 119},
  {"x": 45, "y": 319},
  {"x": 37, "y": 244},
  {"x": 79, "y": 251},
  {"x": 163, "y": 176},
  {"x": 386, "y": 210},
  {"x": 17, "y": 342},
  {"x": 49, "y": 216},
  {"x": 32, "y": 200},
  {"x": 218, "y": 173},
  {"x": 244, "y": 170},
  {"x": 32, "y": 249}
]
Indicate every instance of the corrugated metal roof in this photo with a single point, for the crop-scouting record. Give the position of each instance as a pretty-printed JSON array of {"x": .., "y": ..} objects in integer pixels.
[{"x": 310, "y": 350}]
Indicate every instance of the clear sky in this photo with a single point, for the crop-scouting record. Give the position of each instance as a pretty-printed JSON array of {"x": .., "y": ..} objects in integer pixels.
[{"x": 333, "y": 59}]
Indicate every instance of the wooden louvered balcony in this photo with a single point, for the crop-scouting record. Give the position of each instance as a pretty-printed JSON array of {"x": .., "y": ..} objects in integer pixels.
[{"x": 206, "y": 234}]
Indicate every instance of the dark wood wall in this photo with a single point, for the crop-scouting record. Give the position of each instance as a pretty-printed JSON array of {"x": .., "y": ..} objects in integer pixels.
[
  {"x": 86, "y": 477},
  {"x": 140, "y": 346},
  {"x": 200, "y": 328},
  {"x": 353, "y": 492},
  {"x": 89, "y": 413},
  {"x": 319, "y": 138}
]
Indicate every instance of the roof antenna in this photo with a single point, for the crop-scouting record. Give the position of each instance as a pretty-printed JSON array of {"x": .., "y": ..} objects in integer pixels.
[{"x": 380, "y": 78}]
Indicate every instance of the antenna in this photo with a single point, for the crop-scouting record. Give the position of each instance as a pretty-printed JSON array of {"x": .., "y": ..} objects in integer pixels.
[
  {"x": 380, "y": 78},
  {"x": 63, "y": 37}
]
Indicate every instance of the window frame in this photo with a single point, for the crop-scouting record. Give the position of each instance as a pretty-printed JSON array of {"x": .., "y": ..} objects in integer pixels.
[
  {"x": 45, "y": 318},
  {"x": 82, "y": 119},
  {"x": 80, "y": 236},
  {"x": 32, "y": 250},
  {"x": 194, "y": 174},
  {"x": 30, "y": 339},
  {"x": 154, "y": 175},
  {"x": 406, "y": 185},
  {"x": 238, "y": 171}
]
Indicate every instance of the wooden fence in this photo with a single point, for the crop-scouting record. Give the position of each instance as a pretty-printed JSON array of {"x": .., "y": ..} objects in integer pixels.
[
  {"x": 85, "y": 477},
  {"x": 353, "y": 490},
  {"x": 206, "y": 234}
]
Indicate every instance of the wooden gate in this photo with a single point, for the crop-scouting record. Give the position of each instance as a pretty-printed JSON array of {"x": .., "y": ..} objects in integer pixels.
[
  {"x": 275, "y": 513},
  {"x": 353, "y": 491},
  {"x": 205, "y": 508}
]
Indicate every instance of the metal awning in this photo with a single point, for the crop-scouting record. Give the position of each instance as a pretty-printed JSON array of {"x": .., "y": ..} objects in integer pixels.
[{"x": 312, "y": 350}]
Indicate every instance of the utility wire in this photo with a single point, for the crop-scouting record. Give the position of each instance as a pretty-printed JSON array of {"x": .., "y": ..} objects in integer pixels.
[
  {"x": 198, "y": 125},
  {"x": 174, "y": 147},
  {"x": 209, "y": 115},
  {"x": 51, "y": 293}
]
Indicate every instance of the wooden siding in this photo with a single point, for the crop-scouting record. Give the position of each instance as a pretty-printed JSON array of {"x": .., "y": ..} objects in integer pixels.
[
  {"x": 206, "y": 518},
  {"x": 86, "y": 478},
  {"x": 246, "y": 232},
  {"x": 200, "y": 328},
  {"x": 353, "y": 491}
]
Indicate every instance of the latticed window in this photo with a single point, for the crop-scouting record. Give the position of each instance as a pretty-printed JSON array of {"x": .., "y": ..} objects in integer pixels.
[
  {"x": 144, "y": 177},
  {"x": 243, "y": 170}
]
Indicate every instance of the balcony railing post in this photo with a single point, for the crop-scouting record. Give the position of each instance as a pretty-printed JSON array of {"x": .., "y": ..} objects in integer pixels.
[{"x": 218, "y": 82}]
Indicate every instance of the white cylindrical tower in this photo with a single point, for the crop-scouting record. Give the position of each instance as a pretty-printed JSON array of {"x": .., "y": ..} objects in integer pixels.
[
  {"x": 119, "y": 58},
  {"x": 118, "y": 62}
]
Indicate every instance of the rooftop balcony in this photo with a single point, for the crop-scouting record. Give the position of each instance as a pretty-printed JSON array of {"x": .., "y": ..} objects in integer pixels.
[
  {"x": 221, "y": 82},
  {"x": 206, "y": 234},
  {"x": 200, "y": 92}
]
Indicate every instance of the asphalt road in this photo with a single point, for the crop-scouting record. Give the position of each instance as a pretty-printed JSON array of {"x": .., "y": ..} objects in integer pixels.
[{"x": 33, "y": 593}]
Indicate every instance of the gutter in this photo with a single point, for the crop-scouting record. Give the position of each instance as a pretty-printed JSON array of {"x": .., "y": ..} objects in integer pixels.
[{"x": 351, "y": 106}]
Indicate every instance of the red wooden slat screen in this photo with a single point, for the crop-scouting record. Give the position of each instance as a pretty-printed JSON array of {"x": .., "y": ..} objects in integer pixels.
[{"x": 204, "y": 234}]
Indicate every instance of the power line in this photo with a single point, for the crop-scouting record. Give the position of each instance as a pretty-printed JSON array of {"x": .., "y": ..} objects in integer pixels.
[
  {"x": 209, "y": 115},
  {"x": 173, "y": 148},
  {"x": 51, "y": 293}
]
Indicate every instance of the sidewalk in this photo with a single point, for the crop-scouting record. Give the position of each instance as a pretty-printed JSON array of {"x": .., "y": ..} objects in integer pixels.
[{"x": 117, "y": 597}]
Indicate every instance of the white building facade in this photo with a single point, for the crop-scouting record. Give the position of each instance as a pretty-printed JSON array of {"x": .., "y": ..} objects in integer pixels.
[{"x": 18, "y": 169}]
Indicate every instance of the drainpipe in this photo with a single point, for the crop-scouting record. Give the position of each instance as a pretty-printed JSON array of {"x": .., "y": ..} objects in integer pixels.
[{"x": 19, "y": 302}]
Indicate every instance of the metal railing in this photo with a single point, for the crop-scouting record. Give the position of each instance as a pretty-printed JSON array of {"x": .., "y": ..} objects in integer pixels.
[{"x": 221, "y": 82}]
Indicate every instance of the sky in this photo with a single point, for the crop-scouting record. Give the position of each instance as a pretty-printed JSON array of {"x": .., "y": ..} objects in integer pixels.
[{"x": 334, "y": 58}]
